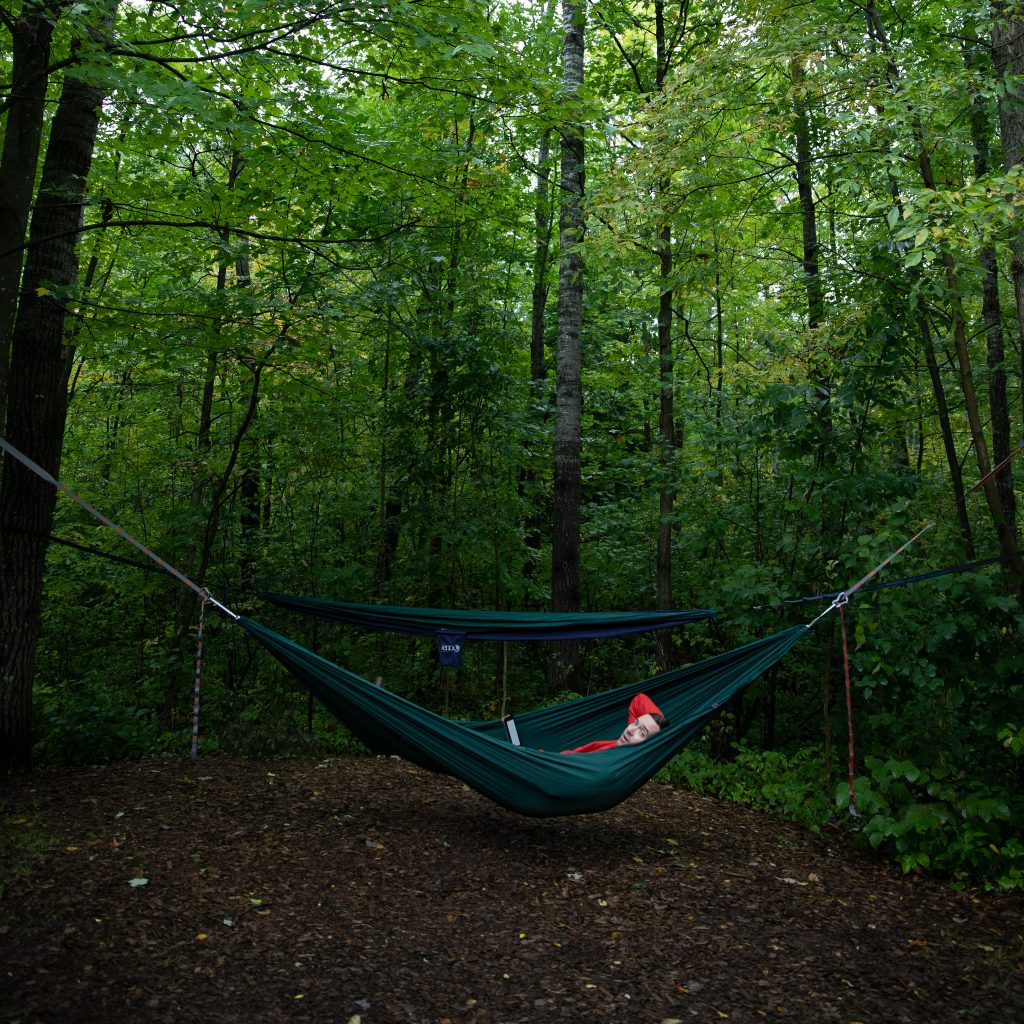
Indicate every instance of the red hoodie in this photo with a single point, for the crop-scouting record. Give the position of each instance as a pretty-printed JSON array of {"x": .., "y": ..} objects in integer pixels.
[{"x": 641, "y": 704}]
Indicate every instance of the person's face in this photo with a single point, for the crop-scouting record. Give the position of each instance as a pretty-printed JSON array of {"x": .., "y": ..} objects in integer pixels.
[{"x": 639, "y": 730}]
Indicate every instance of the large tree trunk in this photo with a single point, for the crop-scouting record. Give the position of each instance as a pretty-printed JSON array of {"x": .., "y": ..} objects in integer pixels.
[
  {"x": 37, "y": 402},
  {"x": 565, "y": 546},
  {"x": 541, "y": 254},
  {"x": 1008, "y": 55},
  {"x": 19, "y": 161},
  {"x": 666, "y": 388}
]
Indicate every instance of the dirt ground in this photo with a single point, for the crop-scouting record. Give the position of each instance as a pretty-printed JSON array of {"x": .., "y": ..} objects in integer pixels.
[{"x": 364, "y": 890}]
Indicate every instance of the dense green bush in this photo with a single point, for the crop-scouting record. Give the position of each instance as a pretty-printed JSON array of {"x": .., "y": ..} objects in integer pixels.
[
  {"x": 789, "y": 785},
  {"x": 92, "y": 726},
  {"x": 923, "y": 820},
  {"x": 929, "y": 819}
]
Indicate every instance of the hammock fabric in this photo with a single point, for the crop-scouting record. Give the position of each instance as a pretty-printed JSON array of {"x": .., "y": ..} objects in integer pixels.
[
  {"x": 534, "y": 779},
  {"x": 488, "y": 625}
]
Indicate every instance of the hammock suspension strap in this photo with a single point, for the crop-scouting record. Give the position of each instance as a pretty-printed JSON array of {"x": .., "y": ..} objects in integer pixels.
[
  {"x": 997, "y": 469},
  {"x": 50, "y": 479},
  {"x": 199, "y": 673},
  {"x": 849, "y": 714},
  {"x": 844, "y": 597}
]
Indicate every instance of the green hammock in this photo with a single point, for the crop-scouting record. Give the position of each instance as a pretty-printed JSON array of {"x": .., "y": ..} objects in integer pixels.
[
  {"x": 489, "y": 625},
  {"x": 534, "y": 779}
]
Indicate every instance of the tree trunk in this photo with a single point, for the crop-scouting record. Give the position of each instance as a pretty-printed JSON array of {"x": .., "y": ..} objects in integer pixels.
[
  {"x": 666, "y": 449},
  {"x": 928, "y": 348},
  {"x": 542, "y": 214},
  {"x": 948, "y": 442},
  {"x": 250, "y": 485},
  {"x": 203, "y": 553},
  {"x": 810, "y": 265},
  {"x": 541, "y": 252},
  {"x": 565, "y": 549},
  {"x": 815, "y": 319},
  {"x": 991, "y": 312},
  {"x": 37, "y": 402},
  {"x": 1008, "y": 56},
  {"x": 389, "y": 505},
  {"x": 808, "y": 209},
  {"x": 664, "y": 640},
  {"x": 23, "y": 131},
  {"x": 1005, "y": 528},
  {"x": 186, "y": 598}
]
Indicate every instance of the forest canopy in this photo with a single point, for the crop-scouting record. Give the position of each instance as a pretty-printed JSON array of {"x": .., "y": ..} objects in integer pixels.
[{"x": 526, "y": 306}]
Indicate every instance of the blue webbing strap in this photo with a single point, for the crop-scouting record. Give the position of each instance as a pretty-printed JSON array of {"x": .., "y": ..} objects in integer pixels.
[{"x": 844, "y": 597}]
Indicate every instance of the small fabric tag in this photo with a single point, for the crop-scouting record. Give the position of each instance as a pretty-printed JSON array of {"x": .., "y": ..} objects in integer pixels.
[{"x": 449, "y": 647}]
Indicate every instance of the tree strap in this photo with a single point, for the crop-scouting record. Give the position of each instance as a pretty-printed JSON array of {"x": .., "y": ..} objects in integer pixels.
[
  {"x": 849, "y": 714},
  {"x": 50, "y": 479},
  {"x": 199, "y": 672}
]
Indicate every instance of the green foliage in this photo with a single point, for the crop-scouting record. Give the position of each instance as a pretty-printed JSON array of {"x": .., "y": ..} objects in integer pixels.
[
  {"x": 927, "y": 819},
  {"x": 786, "y": 784},
  {"x": 562, "y": 697},
  {"x": 83, "y": 727},
  {"x": 348, "y": 206},
  {"x": 924, "y": 820},
  {"x": 260, "y": 730},
  {"x": 1011, "y": 736}
]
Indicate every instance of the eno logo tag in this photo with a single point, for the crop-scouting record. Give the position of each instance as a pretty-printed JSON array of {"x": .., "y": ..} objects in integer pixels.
[{"x": 449, "y": 647}]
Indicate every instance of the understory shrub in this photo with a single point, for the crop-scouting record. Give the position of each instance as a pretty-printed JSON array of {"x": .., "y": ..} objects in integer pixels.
[
  {"x": 930, "y": 819},
  {"x": 786, "y": 784},
  {"x": 91, "y": 728},
  {"x": 923, "y": 820}
]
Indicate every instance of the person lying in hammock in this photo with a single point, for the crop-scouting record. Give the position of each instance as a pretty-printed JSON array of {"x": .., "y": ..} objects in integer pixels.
[{"x": 644, "y": 720}]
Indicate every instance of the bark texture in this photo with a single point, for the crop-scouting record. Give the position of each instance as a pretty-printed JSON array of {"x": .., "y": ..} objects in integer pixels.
[
  {"x": 23, "y": 131},
  {"x": 37, "y": 403},
  {"x": 565, "y": 552}
]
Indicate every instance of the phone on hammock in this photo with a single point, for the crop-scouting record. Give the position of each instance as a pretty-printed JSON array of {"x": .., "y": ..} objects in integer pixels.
[{"x": 511, "y": 731}]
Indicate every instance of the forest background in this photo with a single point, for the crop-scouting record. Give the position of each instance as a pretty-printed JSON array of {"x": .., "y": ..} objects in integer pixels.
[{"x": 529, "y": 306}]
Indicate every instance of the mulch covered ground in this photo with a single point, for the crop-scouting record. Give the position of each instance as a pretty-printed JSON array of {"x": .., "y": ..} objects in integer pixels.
[{"x": 363, "y": 890}]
